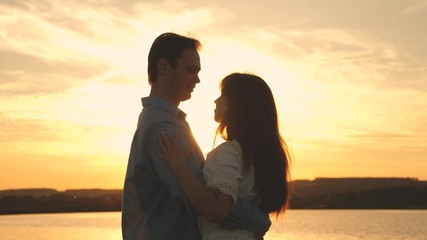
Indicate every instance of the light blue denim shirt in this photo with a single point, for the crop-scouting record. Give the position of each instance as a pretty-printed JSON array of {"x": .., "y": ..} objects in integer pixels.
[{"x": 154, "y": 205}]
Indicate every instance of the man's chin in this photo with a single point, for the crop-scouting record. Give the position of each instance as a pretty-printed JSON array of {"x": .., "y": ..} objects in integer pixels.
[{"x": 186, "y": 97}]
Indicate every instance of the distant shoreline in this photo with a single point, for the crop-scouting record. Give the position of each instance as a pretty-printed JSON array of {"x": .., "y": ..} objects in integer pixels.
[
  {"x": 293, "y": 209},
  {"x": 24, "y": 213},
  {"x": 321, "y": 193}
]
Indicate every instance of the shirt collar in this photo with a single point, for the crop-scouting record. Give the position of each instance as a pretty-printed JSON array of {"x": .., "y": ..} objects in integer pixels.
[{"x": 160, "y": 102}]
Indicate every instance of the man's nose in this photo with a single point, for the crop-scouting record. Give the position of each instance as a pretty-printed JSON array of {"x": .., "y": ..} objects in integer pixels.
[{"x": 197, "y": 79}]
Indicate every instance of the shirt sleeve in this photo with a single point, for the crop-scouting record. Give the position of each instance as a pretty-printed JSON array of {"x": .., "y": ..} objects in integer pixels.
[
  {"x": 164, "y": 172},
  {"x": 222, "y": 170}
]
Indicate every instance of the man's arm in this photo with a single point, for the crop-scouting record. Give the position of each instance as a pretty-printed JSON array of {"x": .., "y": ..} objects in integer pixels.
[
  {"x": 164, "y": 172},
  {"x": 248, "y": 216},
  {"x": 212, "y": 204}
]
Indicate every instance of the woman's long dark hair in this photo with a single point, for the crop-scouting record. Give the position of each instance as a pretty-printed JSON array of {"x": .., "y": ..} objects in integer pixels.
[{"x": 251, "y": 119}]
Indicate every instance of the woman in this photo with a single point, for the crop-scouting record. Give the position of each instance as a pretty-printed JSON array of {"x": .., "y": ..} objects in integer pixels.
[{"x": 253, "y": 162}]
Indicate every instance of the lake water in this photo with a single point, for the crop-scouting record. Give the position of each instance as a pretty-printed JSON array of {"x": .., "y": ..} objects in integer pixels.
[{"x": 295, "y": 225}]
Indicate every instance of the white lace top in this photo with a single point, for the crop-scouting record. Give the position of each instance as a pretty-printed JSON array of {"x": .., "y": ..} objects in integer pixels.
[{"x": 224, "y": 171}]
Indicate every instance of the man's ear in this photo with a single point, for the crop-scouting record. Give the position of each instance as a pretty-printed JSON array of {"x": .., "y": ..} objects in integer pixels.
[{"x": 162, "y": 65}]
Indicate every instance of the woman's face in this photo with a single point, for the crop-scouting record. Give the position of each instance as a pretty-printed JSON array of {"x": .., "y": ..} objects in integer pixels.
[{"x": 221, "y": 108}]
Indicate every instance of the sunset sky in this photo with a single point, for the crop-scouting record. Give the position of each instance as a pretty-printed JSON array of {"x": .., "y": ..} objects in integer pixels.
[{"x": 349, "y": 78}]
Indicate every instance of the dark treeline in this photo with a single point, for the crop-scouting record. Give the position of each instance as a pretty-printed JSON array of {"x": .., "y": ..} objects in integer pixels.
[
  {"x": 52, "y": 201},
  {"x": 359, "y": 193},
  {"x": 321, "y": 193}
]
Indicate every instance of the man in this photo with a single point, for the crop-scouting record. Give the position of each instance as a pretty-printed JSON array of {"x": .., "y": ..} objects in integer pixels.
[{"x": 154, "y": 205}]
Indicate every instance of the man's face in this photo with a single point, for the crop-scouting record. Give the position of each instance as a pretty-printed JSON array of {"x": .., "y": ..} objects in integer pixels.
[{"x": 185, "y": 75}]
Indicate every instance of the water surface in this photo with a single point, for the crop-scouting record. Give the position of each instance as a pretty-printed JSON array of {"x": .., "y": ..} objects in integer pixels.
[{"x": 295, "y": 225}]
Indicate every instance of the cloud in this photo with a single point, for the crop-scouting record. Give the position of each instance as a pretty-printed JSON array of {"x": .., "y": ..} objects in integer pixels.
[
  {"x": 47, "y": 46},
  {"x": 419, "y": 6},
  {"x": 22, "y": 74},
  {"x": 24, "y": 130},
  {"x": 322, "y": 38},
  {"x": 34, "y": 133},
  {"x": 385, "y": 135},
  {"x": 333, "y": 54},
  {"x": 51, "y": 32}
]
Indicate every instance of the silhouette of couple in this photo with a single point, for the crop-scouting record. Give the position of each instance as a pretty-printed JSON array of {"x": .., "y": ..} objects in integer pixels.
[{"x": 170, "y": 190}]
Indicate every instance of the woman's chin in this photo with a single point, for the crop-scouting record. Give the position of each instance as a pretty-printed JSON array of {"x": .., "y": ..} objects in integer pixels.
[{"x": 217, "y": 119}]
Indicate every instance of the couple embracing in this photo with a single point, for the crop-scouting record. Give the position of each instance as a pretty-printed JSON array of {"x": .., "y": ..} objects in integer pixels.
[{"x": 171, "y": 191}]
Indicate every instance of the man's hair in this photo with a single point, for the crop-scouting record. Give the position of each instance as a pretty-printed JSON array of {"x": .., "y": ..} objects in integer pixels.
[{"x": 168, "y": 46}]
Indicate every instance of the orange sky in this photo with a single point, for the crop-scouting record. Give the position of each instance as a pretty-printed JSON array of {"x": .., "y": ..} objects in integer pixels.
[{"x": 349, "y": 77}]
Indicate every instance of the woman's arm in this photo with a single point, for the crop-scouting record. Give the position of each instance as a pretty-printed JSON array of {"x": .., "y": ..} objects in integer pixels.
[{"x": 211, "y": 204}]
